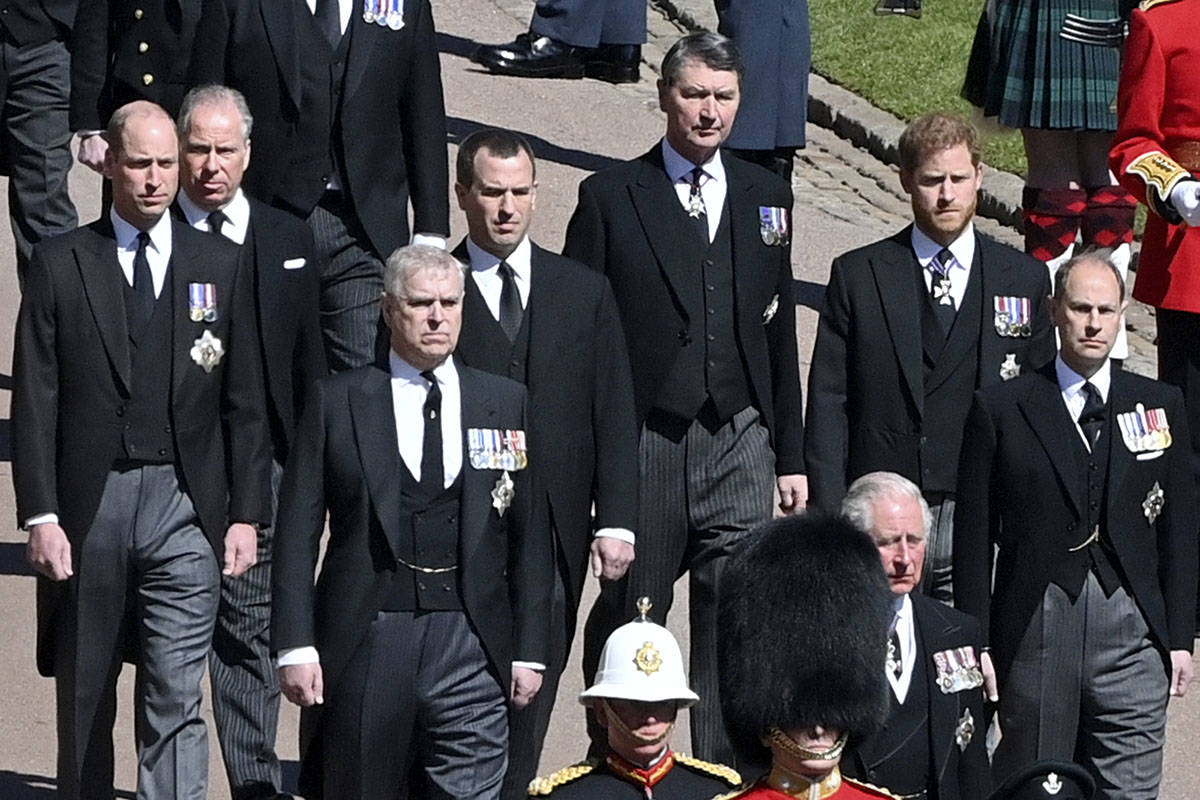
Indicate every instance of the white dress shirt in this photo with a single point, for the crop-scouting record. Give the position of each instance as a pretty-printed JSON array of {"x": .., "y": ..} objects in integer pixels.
[
  {"x": 963, "y": 249},
  {"x": 158, "y": 251},
  {"x": 906, "y": 631},
  {"x": 409, "y": 391},
  {"x": 713, "y": 184},
  {"x": 1070, "y": 383},
  {"x": 485, "y": 269},
  {"x": 236, "y": 211}
]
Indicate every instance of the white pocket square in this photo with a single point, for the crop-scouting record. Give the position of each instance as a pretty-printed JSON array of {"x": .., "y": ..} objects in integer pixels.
[
  {"x": 294, "y": 263},
  {"x": 1153, "y": 454}
]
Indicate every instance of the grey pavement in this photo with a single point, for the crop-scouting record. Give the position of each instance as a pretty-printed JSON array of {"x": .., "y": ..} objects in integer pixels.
[{"x": 845, "y": 198}]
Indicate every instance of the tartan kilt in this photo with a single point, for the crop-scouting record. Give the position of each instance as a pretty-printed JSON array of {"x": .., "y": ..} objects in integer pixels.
[{"x": 1025, "y": 74}]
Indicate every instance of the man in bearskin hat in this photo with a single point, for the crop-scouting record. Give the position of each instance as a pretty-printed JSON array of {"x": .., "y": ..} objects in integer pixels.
[{"x": 811, "y": 596}]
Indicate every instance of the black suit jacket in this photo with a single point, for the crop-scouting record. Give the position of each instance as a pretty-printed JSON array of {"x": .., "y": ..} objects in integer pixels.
[
  {"x": 958, "y": 773},
  {"x": 866, "y": 390},
  {"x": 72, "y": 379},
  {"x": 391, "y": 109},
  {"x": 125, "y": 50},
  {"x": 629, "y": 224},
  {"x": 346, "y": 461},
  {"x": 1022, "y": 484},
  {"x": 287, "y": 293},
  {"x": 581, "y": 417}
]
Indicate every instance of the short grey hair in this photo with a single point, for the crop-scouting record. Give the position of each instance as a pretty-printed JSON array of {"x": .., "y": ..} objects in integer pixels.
[
  {"x": 715, "y": 51},
  {"x": 1093, "y": 255},
  {"x": 214, "y": 94},
  {"x": 859, "y": 502},
  {"x": 404, "y": 262}
]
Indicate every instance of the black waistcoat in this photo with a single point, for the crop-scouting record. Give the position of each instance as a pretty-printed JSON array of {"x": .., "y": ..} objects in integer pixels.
[
  {"x": 908, "y": 767},
  {"x": 429, "y": 528},
  {"x": 317, "y": 147},
  {"x": 709, "y": 366},
  {"x": 949, "y": 373},
  {"x": 148, "y": 436}
]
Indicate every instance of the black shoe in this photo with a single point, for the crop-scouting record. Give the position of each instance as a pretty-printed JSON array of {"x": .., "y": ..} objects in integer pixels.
[
  {"x": 615, "y": 63},
  {"x": 910, "y": 8},
  {"x": 532, "y": 57}
]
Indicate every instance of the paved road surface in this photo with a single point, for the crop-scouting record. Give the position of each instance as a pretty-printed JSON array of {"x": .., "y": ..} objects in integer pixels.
[{"x": 844, "y": 199}]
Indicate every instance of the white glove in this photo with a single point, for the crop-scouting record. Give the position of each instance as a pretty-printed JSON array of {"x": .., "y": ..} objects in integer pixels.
[{"x": 1185, "y": 197}]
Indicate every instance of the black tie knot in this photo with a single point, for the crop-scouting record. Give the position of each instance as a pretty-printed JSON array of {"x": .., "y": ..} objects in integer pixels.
[
  {"x": 943, "y": 260},
  {"x": 1091, "y": 418},
  {"x": 215, "y": 220}
]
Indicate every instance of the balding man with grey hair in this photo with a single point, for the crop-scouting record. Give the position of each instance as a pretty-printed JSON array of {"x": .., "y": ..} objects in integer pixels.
[
  {"x": 929, "y": 746},
  {"x": 277, "y": 250},
  {"x": 429, "y": 611}
]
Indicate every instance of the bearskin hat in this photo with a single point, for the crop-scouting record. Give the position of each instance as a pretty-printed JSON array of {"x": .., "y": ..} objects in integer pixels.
[{"x": 804, "y": 611}]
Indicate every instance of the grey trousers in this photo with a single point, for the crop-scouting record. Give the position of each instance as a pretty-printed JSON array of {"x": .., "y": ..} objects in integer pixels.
[
  {"x": 351, "y": 283},
  {"x": 34, "y": 97},
  {"x": 146, "y": 571},
  {"x": 1087, "y": 685},
  {"x": 937, "y": 580},
  {"x": 245, "y": 686},
  {"x": 417, "y": 713},
  {"x": 702, "y": 492},
  {"x": 588, "y": 23}
]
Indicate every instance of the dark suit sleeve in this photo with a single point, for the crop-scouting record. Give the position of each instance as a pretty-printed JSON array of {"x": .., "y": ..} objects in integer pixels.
[
  {"x": 787, "y": 402},
  {"x": 530, "y": 562},
  {"x": 89, "y": 64},
  {"x": 614, "y": 422},
  {"x": 1177, "y": 533},
  {"x": 975, "y": 517},
  {"x": 301, "y": 521},
  {"x": 827, "y": 427},
  {"x": 244, "y": 409},
  {"x": 35, "y": 395},
  {"x": 1042, "y": 345},
  {"x": 423, "y": 123},
  {"x": 207, "y": 64},
  {"x": 585, "y": 231},
  {"x": 308, "y": 357}
]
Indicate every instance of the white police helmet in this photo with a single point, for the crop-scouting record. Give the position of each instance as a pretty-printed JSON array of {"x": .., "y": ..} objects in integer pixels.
[{"x": 641, "y": 662}]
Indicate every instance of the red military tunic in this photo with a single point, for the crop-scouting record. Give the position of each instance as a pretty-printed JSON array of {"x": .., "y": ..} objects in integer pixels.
[
  {"x": 1158, "y": 143},
  {"x": 778, "y": 786}
]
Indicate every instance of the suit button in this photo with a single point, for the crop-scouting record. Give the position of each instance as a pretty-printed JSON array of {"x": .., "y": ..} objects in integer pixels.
[
  {"x": 712, "y": 338},
  {"x": 127, "y": 426},
  {"x": 325, "y": 179},
  {"x": 143, "y": 47},
  {"x": 514, "y": 363},
  {"x": 4, "y": 10},
  {"x": 711, "y": 288},
  {"x": 162, "y": 452},
  {"x": 924, "y": 439},
  {"x": 120, "y": 411},
  {"x": 420, "y": 586},
  {"x": 445, "y": 588},
  {"x": 712, "y": 311},
  {"x": 147, "y": 79},
  {"x": 138, "y": 13},
  {"x": 167, "y": 429},
  {"x": 708, "y": 262}
]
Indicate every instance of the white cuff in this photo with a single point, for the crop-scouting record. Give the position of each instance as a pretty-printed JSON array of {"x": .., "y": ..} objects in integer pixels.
[
  {"x": 294, "y": 656},
  {"x": 41, "y": 519},
  {"x": 616, "y": 533},
  {"x": 431, "y": 239},
  {"x": 1185, "y": 197},
  {"x": 533, "y": 665}
]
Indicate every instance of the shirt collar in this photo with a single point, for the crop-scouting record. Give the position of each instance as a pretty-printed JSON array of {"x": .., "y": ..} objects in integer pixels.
[
  {"x": 237, "y": 210},
  {"x": 404, "y": 371},
  {"x": 519, "y": 259},
  {"x": 962, "y": 247},
  {"x": 126, "y": 233},
  {"x": 679, "y": 168},
  {"x": 1071, "y": 382}
]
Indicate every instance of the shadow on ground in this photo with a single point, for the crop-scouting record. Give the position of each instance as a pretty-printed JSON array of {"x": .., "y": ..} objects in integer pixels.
[
  {"x": 19, "y": 786},
  {"x": 458, "y": 129}
]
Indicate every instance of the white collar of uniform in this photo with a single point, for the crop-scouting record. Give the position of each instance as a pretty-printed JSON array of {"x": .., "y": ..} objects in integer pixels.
[
  {"x": 126, "y": 233},
  {"x": 1070, "y": 382},
  {"x": 401, "y": 370},
  {"x": 963, "y": 247},
  {"x": 519, "y": 259},
  {"x": 679, "y": 168},
  {"x": 236, "y": 210}
]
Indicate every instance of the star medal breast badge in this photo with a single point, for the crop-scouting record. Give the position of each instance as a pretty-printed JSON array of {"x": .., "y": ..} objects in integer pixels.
[
  {"x": 207, "y": 351},
  {"x": 1153, "y": 505},
  {"x": 502, "y": 493}
]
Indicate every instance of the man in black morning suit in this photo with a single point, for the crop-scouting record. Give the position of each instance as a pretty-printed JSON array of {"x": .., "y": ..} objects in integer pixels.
[
  {"x": 215, "y": 127},
  {"x": 893, "y": 367},
  {"x": 140, "y": 460},
  {"x": 696, "y": 248},
  {"x": 350, "y": 125},
  {"x": 552, "y": 324},
  {"x": 931, "y": 745},
  {"x": 430, "y": 607},
  {"x": 1076, "y": 476}
]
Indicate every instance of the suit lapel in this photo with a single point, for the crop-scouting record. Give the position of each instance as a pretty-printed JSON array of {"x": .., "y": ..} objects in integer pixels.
[
  {"x": 547, "y": 320},
  {"x": 1120, "y": 400},
  {"x": 478, "y": 411},
  {"x": 1046, "y": 415},
  {"x": 933, "y": 636},
  {"x": 665, "y": 223},
  {"x": 966, "y": 327},
  {"x": 363, "y": 39},
  {"x": 102, "y": 284},
  {"x": 893, "y": 271},
  {"x": 279, "y": 19},
  {"x": 374, "y": 420}
]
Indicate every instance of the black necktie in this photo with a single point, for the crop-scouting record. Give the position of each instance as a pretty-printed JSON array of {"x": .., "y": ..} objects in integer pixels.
[
  {"x": 695, "y": 207},
  {"x": 895, "y": 661},
  {"x": 939, "y": 288},
  {"x": 329, "y": 20},
  {"x": 1091, "y": 419},
  {"x": 431, "y": 446},
  {"x": 510, "y": 302},
  {"x": 143, "y": 289},
  {"x": 215, "y": 220}
]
